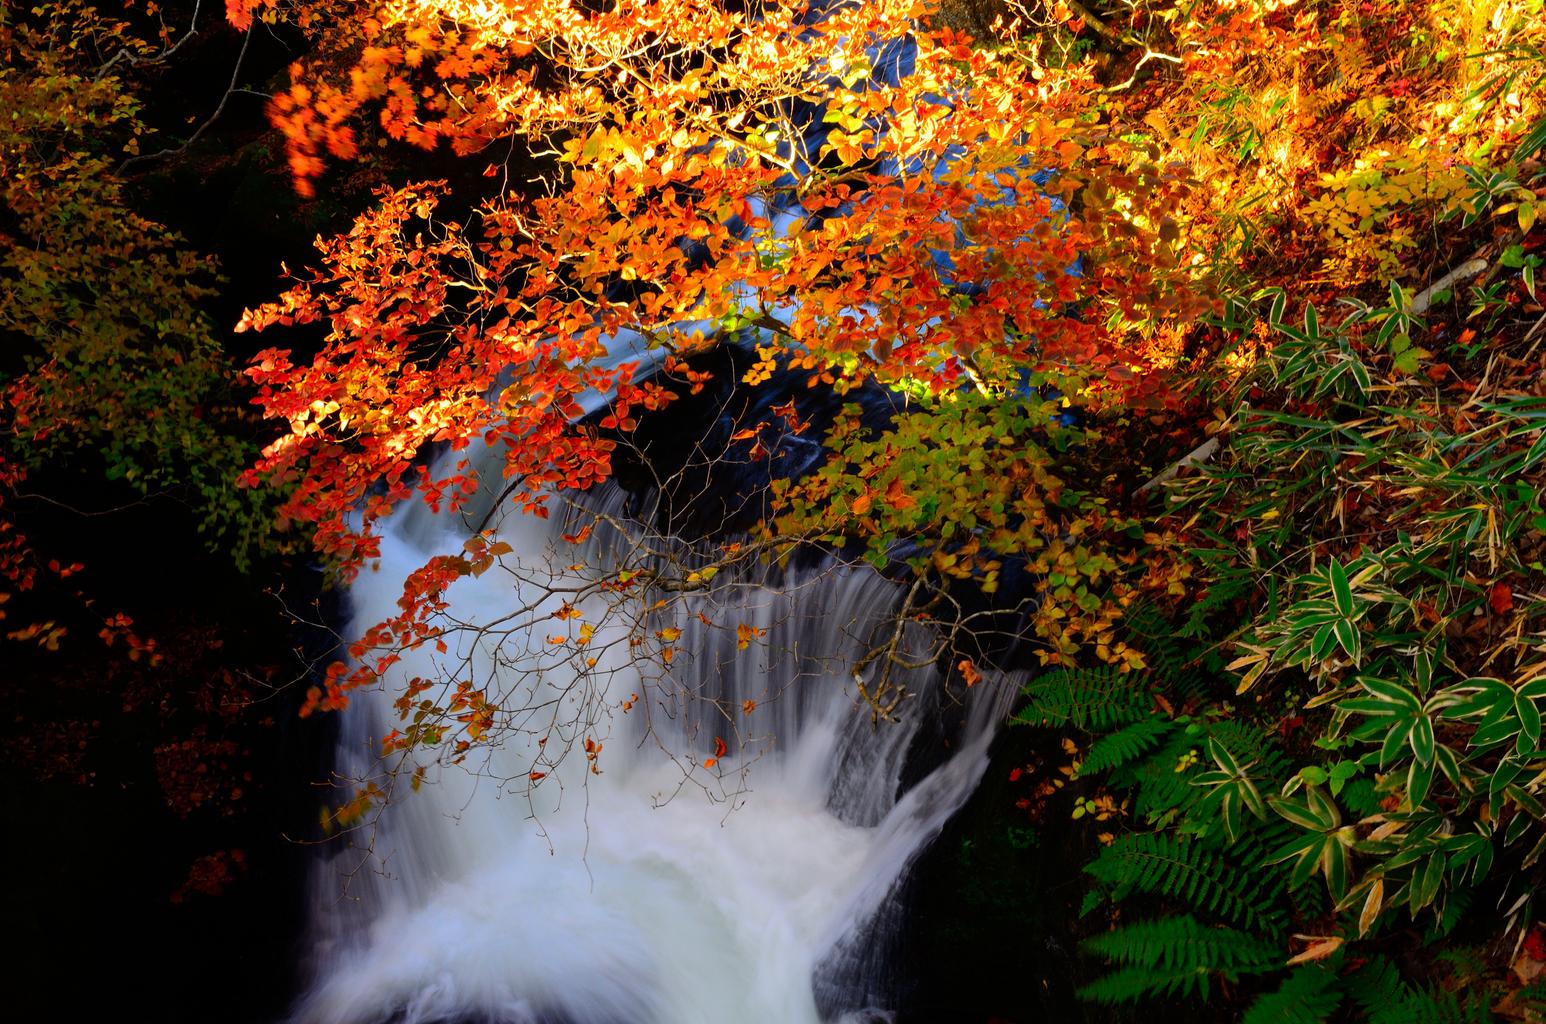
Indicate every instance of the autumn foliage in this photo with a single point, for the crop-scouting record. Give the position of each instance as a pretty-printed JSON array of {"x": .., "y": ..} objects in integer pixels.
[
  {"x": 1303, "y": 236},
  {"x": 872, "y": 200},
  {"x": 1298, "y": 239},
  {"x": 114, "y": 377}
]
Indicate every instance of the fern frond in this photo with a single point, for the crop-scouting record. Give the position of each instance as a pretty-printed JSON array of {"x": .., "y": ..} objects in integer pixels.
[
  {"x": 1376, "y": 984},
  {"x": 1360, "y": 798},
  {"x": 1220, "y": 594},
  {"x": 1161, "y": 785},
  {"x": 1186, "y": 869},
  {"x": 1250, "y": 744},
  {"x": 1174, "y": 956},
  {"x": 1086, "y": 698},
  {"x": 1436, "y": 1007},
  {"x": 1448, "y": 910},
  {"x": 1151, "y": 631},
  {"x": 1387, "y": 999},
  {"x": 1125, "y": 745},
  {"x": 1307, "y": 996}
]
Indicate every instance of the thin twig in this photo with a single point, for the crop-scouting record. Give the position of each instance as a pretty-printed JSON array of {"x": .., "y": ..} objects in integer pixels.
[
  {"x": 225, "y": 98},
  {"x": 1148, "y": 55},
  {"x": 1202, "y": 453},
  {"x": 125, "y": 54}
]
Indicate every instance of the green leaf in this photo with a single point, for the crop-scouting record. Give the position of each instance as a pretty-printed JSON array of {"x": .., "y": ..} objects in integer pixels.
[
  {"x": 1297, "y": 813},
  {"x": 1314, "y": 776},
  {"x": 1347, "y": 637},
  {"x": 1394, "y": 692},
  {"x": 1341, "y": 591},
  {"x": 1422, "y": 739},
  {"x": 1419, "y": 780},
  {"x": 1426, "y": 885},
  {"x": 1529, "y": 725},
  {"x": 1223, "y": 757},
  {"x": 1174, "y": 956}
]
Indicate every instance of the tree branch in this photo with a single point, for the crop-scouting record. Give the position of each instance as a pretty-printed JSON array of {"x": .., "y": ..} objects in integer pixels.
[{"x": 224, "y": 99}]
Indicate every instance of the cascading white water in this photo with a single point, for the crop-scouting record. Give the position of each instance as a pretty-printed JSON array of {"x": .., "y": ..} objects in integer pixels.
[{"x": 658, "y": 890}]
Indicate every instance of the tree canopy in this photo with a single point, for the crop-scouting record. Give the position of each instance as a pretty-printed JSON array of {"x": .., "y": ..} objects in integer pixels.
[{"x": 1210, "y": 332}]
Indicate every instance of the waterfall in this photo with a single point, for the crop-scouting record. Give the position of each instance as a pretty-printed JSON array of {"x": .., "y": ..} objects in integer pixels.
[
  {"x": 734, "y": 849},
  {"x": 653, "y": 889}
]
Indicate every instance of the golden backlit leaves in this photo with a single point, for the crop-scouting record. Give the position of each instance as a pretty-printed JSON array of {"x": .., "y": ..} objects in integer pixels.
[{"x": 674, "y": 154}]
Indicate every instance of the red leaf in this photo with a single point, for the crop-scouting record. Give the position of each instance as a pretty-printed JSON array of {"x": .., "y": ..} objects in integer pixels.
[
  {"x": 1501, "y": 598},
  {"x": 1535, "y": 944},
  {"x": 239, "y": 14}
]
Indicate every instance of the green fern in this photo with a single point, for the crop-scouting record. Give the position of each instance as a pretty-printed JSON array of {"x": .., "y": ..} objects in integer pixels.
[
  {"x": 1360, "y": 798},
  {"x": 1307, "y": 996},
  {"x": 1124, "y": 746},
  {"x": 1221, "y": 593},
  {"x": 1086, "y": 698},
  {"x": 1193, "y": 871},
  {"x": 1377, "y": 984},
  {"x": 1386, "y": 999},
  {"x": 1449, "y": 908},
  {"x": 1150, "y": 629},
  {"x": 1174, "y": 956},
  {"x": 1161, "y": 782},
  {"x": 1436, "y": 1007},
  {"x": 1250, "y": 744}
]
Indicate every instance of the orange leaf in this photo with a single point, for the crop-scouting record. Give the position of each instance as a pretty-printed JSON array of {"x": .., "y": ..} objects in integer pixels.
[
  {"x": 1320, "y": 949},
  {"x": 239, "y": 13},
  {"x": 897, "y": 498}
]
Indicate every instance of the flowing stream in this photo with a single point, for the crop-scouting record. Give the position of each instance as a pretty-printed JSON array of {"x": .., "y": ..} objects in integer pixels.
[{"x": 758, "y": 889}]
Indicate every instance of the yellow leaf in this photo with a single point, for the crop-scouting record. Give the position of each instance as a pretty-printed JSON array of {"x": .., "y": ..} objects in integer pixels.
[
  {"x": 1371, "y": 906},
  {"x": 1249, "y": 679}
]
